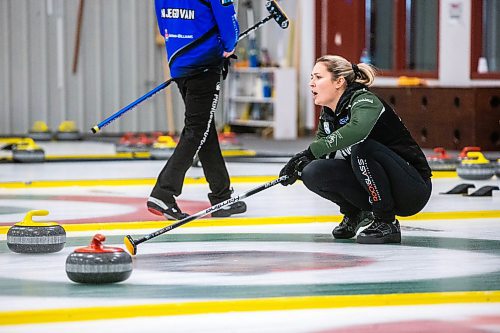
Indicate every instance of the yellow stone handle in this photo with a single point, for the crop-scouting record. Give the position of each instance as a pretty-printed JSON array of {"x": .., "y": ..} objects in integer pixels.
[
  {"x": 475, "y": 157},
  {"x": 67, "y": 126},
  {"x": 28, "y": 219}
]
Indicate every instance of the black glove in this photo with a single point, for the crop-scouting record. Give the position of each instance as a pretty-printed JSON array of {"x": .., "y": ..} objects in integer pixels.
[
  {"x": 296, "y": 165},
  {"x": 301, "y": 164},
  {"x": 226, "y": 64}
]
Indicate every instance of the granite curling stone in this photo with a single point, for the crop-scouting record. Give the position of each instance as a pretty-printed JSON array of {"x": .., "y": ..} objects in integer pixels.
[
  {"x": 40, "y": 131},
  {"x": 67, "y": 131},
  {"x": 475, "y": 167},
  {"x": 98, "y": 264},
  {"x": 27, "y": 151},
  {"x": 441, "y": 161},
  {"x": 36, "y": 237},
  {"x": 163, "y": 148}
]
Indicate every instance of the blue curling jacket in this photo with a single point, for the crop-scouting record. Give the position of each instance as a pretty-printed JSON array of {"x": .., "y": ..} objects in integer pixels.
[{"x": 182, "y": 22}]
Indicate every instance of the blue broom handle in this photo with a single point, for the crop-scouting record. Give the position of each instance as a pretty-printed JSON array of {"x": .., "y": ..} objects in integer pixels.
[{"x": 129, "y": 107}]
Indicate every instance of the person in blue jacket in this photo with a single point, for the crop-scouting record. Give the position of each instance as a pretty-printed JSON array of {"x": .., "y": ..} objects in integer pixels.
[{"x": 200, "y": 37}]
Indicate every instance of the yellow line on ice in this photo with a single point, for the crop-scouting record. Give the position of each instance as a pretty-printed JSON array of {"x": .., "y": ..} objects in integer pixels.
[
  {"x": 444, "y": 174},
  {"x": 479, "y": 214},
  {"x": 124, "y": 155},
  {"x": 137, "y": 155},
  {"x": 25, "y": 317},
  {"x": 272, "y": 220},
  {"x": 151, "y": 181},
  {"x": 124, "y": 182}
]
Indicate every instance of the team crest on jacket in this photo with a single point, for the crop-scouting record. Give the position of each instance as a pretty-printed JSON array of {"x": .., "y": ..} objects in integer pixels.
[
  {"x": 326, "y": 127},
  {"x": 343, "y": 121},
  {"x": 226, "y": 2}
]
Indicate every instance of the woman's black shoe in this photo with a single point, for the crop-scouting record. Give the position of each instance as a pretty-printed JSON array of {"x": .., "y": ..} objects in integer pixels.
[{"x": 351, "y": 224}]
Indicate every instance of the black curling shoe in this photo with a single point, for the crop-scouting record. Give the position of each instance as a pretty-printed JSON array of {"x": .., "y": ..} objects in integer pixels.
[
  {"x": 380, "y": 233},
  {"x": 171, "y": 211},
  {"x": 351, "y": 224},
  {"x": 235, "y": 208}
]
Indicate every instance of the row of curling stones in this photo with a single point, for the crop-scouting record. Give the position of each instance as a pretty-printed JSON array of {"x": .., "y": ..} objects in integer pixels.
[
  {"x": 441, "y": 161},
  {"x": 95, "y": 263},
  {"x": 476, "y": 167},
  {"x": 29, "y": 236},
  {"x": 98, "y": 264},
  {"x": 67, "y": 130}
]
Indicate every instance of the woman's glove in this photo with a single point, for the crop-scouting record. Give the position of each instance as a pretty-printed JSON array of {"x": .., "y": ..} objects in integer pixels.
[
  {"x": 225, "y": 65},
  {"x": 295, "y": 166}
]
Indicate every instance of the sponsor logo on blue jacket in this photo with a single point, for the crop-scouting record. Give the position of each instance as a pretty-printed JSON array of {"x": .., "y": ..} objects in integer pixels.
[{"x": 176, "y": 13}]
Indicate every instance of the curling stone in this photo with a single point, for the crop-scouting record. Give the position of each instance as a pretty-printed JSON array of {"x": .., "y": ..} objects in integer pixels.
[
  {"x": 441, "y": 161},
  {"x": 67, "y": 131},
  {"x": 475, "y": 167},
  {"x": 40, "y": 131},
  {"x": 98, "y": 263},
  {"x": 27, "y": 151},
  {"x": 143, "y": 142},
  {"x": 127, "y": 143},
  {"x": 465, "y": 150},
  {"x": 163, "y": 147},
  {"x": 228, "y": 139},
  {"x": 36, "y": 237}
]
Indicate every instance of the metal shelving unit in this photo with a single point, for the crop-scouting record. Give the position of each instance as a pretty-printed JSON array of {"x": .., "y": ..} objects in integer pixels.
[{"x": 262, "y": 98}]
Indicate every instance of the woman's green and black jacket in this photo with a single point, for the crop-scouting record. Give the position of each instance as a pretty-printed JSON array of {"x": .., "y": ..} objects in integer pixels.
[{"x": 360, "y": 115}]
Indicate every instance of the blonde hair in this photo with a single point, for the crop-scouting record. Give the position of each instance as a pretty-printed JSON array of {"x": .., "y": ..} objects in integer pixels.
[{"x": 339, "y": 66}]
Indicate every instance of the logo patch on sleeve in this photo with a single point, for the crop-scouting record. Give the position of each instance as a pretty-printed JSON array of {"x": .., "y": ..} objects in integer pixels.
[{"x": 226, "y": 2}]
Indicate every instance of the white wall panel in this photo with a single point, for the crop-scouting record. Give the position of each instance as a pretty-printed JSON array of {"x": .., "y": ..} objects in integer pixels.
[
  {"x": 4, "y": 68},
  {"x": 19, "y": 65},
  {"x": 37, "y": 54}
]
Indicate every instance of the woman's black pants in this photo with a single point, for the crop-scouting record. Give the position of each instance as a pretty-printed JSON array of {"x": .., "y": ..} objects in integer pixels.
[
  {"x": 375, "y": 179},
  {"x": 199, "y": 135}
]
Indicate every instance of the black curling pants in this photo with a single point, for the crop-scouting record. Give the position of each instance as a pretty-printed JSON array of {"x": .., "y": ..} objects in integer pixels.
[
  {"x": 199, "y": 135},
  {"x": 375, "y": 179}
]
